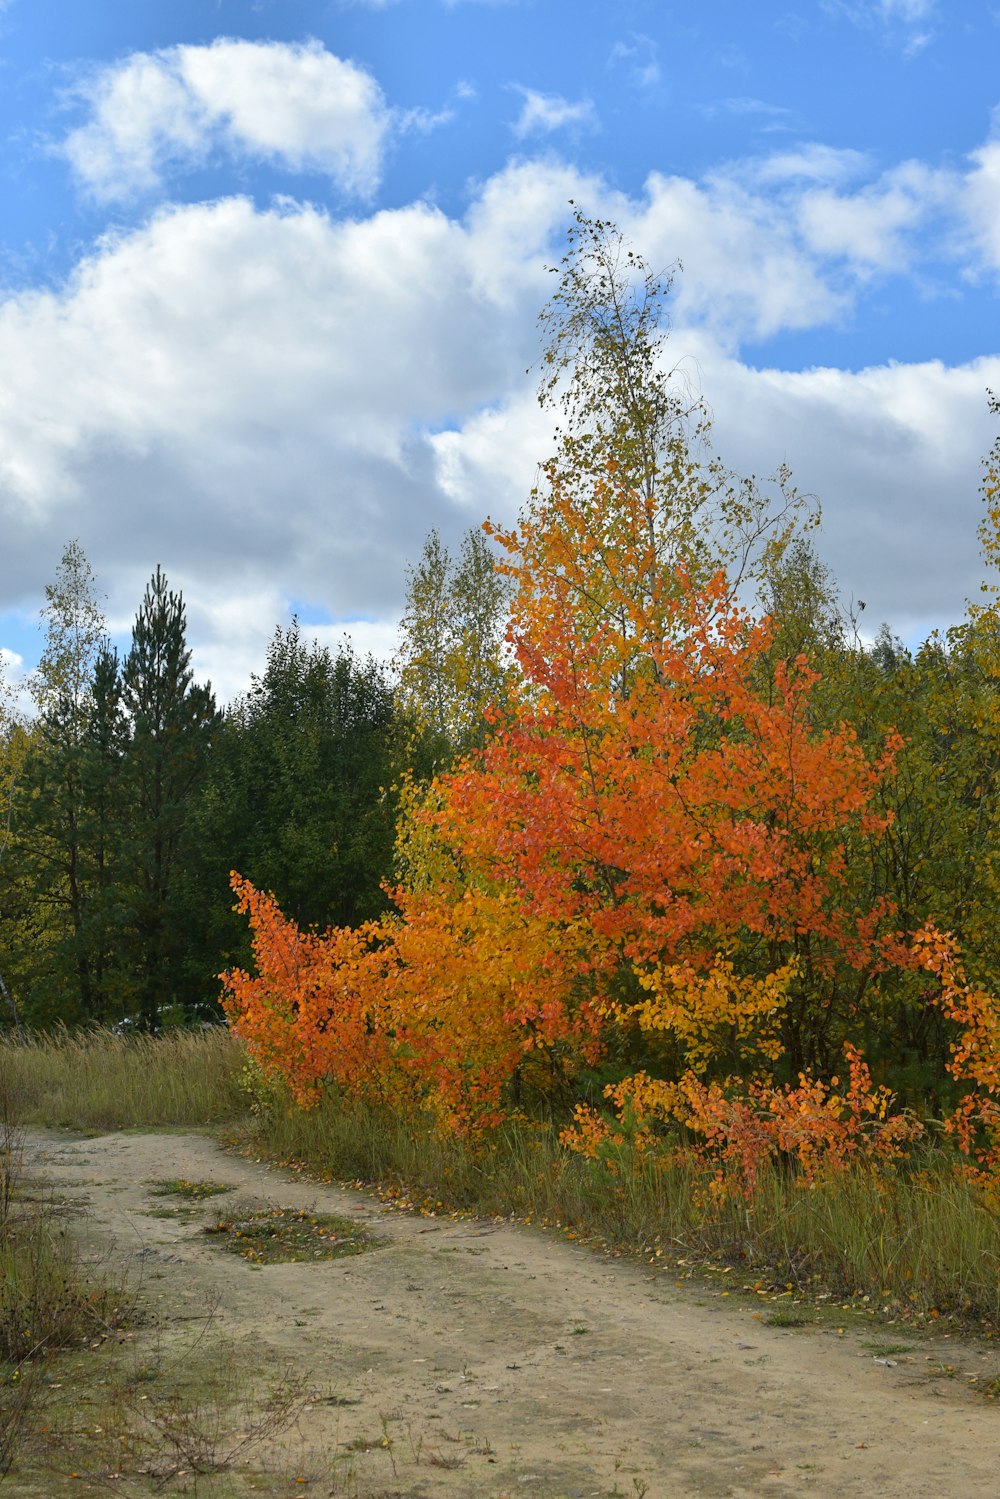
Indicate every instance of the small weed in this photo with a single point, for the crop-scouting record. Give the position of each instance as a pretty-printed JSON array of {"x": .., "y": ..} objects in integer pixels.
[
  {"x": 440, "y": 1460},
  {"x": 785, "y": 1319},
  {"x": 211, "y": 1437},
  {"x": 281, "y": 1235},
  {"x": 365, "y": 1444}
]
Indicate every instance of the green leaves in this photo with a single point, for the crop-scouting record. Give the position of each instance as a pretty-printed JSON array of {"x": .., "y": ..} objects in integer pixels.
[{"x": 453, "y": 661}]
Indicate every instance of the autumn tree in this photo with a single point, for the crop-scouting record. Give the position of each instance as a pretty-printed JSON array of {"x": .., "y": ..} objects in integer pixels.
[
  {"x": 607, "y": 375},
  {"x": 452, "y": 661},
  {"x": 673, "y": 859}
]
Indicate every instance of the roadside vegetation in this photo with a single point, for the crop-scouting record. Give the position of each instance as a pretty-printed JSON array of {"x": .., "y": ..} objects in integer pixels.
[
  {"x": 48, "y": 1304},
  {"x": 914, "y": 1242}
]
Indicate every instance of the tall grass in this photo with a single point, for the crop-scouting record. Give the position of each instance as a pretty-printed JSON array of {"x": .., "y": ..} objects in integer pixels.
[
  {"x": 917, "y": 1238},
  {"x": 914, "y": 1239},
  {"x": 99, "y": 1080}
]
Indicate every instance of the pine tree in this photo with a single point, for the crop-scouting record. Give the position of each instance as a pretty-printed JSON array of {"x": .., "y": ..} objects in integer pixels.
[{"x": 171, "y": 723}]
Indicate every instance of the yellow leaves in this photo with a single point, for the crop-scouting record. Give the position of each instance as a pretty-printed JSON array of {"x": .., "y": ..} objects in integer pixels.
[{"x": 709, "y": 1011}]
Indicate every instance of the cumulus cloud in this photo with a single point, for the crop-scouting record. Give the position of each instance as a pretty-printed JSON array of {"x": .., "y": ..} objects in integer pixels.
[
  {"x": 875, "y": 226},
  {"x": 750, "y": 276},
  {"x": 276, "y": 404},
  {"x": 981, "y": 202},
  {"x": 293, "y": 104},
  {"x": 245, "y": 396},
  {"x": 543, "y": 113},
  {"x": 892, "y": 453}
]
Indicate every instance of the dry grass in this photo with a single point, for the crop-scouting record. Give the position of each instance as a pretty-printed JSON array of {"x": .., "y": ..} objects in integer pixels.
[
  {"x": 98, "y": 1080},
  {"x": 45, "y": 1303}
]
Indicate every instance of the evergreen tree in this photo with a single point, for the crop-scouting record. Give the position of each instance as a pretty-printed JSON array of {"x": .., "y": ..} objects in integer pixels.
[
  {"x": 300, "y": 796},
  {"x": 171, "y": 721},
  {"x": 105, "y": 827}
]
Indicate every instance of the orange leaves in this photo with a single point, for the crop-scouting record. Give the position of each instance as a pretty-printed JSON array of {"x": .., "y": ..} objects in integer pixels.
[
  {"x": 739, "y": 1128},
  {"x": 435, "y": 1009},
  {"x": 312, "y": 1013},
  {"x": 975, "y": 1054}
]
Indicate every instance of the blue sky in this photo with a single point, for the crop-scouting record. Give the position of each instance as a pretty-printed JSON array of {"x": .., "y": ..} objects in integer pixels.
[{"x": 269, "y": 274}]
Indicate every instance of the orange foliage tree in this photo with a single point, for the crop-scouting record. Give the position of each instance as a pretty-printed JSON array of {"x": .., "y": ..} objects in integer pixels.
[{"x": 651, "y": 845}]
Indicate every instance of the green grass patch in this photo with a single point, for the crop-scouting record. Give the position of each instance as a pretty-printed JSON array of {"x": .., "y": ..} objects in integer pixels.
[
  {"x": 275, "y": 1236},
  {"x": 189, "y": 1191}
]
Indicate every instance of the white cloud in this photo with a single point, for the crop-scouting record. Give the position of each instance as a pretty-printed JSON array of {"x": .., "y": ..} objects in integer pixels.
[
  {"x": 912, "y": 12},
  {"x": 812, "y": 162},
  {"x": 750, "y": 275},
  {"x": 884, "y": 12},
  {"x": 297, "y": 105},
  {"x": 901, "y": 21},
  {"x": 243, "y": 396},
  {"x": 892, "y": 452},
  {"x": 543, "y": 113},
  {"x": 875, "y": 226},
  {"x": 15, "y": 699},
  {"x": 278, "y": 405},
  {"x": 745, "y": 104},
  {"x": 982, "y": 203},
  {"x": 640, "y": 57}
]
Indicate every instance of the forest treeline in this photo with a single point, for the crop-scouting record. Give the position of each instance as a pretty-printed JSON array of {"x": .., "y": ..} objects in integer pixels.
[
  {"x": 128, "y": 795},
  {"x": 637, "y": 825}
]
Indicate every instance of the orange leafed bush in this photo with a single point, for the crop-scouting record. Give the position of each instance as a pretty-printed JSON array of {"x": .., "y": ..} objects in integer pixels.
[
  {"x": 739, "y": 1127},
  {"x": 314, "y": 1012}
]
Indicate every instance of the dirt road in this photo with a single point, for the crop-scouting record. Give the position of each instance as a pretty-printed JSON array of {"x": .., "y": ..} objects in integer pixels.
[{"x": 487, "y": 1360}]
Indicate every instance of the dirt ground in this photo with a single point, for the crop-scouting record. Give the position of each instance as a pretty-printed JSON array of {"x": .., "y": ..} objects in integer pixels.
[{"x": 481, "y": 1360}]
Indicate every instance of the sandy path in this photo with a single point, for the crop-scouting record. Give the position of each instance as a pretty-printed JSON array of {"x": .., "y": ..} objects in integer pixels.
[{"x": 503, "y": 1362}]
